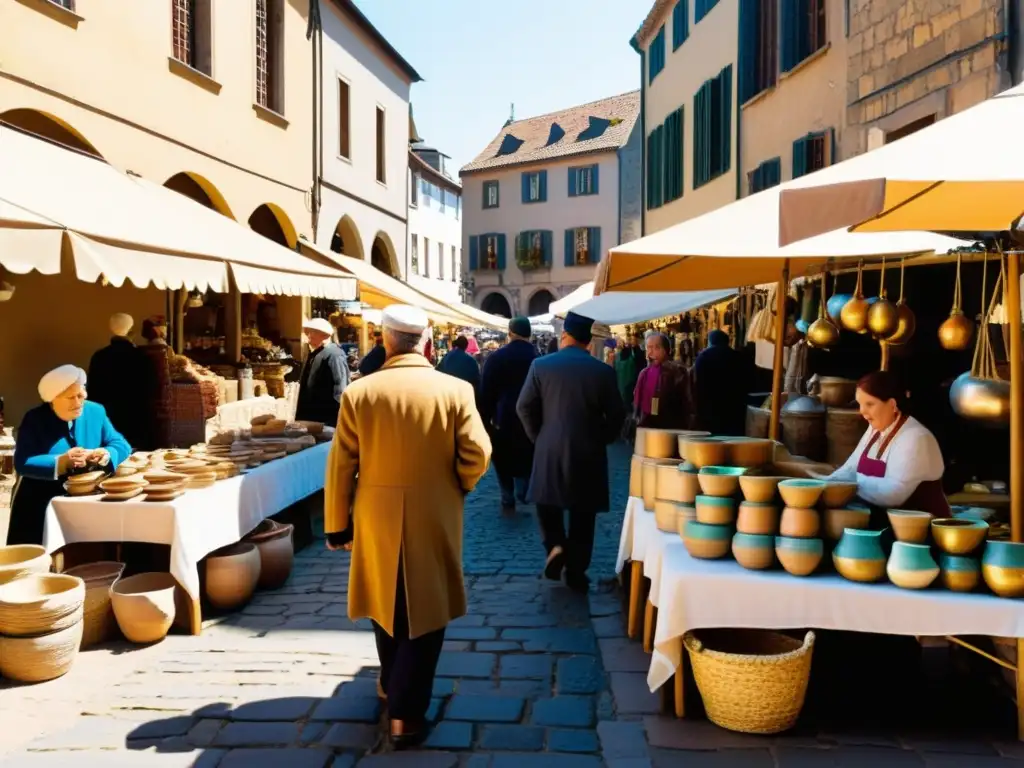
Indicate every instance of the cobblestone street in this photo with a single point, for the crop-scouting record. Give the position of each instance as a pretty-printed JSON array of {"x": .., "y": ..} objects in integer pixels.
[{"x": 534, "y": 675}]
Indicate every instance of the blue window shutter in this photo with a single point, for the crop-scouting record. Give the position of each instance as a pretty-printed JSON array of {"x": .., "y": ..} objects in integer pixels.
[
  {"x": 594, "y": 241},
  {"x": 680, "y": 23},
  {"x": 526, "y": 187},
  {"x": 543, "y": 186},
  {"x": 501, "y": 251},
  {"x": 789, "y": 56},
  {"x": 572, "y": 181},
  {"x": 547, "y": 243},
  {"x": 474, "y": 253},
  {"x": 593, "y": 178},
  {"x": 799, "y": 157},
  {"x": 726, "y": 145},
  {"x": 747, "y": 49},
  {"x": 774, "y": 172},
  {"x": 570, "y": 246},
  {"x": 486, "y": 188}
]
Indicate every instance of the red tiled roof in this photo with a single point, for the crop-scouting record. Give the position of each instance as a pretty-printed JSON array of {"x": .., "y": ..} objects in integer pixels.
[
  {"x": 652, "y": 22},
  {"x": 533, "y": 132}
]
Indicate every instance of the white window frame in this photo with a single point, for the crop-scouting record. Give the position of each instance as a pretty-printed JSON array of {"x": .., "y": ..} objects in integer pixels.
[
  {"x": 492, "y": 194},
  {"x": 534, "y": 181},
  {"x": 414, "y": 258},
  {"x": 585, "y": 181}
]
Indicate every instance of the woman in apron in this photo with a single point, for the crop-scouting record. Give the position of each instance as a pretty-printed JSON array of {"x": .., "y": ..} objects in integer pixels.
[
  {"x": 662, "y": 396},
  {"x": 897, "y": 463}
]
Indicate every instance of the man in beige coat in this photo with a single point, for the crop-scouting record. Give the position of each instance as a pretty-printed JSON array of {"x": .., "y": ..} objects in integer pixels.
[{"x": 418, "y": 444}]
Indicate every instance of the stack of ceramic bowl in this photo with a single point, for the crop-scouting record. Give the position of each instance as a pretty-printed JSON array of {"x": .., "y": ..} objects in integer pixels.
[
  {"x": 910, "y": 564},
  {"x": 164, "y": 485},
  {"x": 757, "y": 522},
  {"x": 124, "y": 487},
  {"x": 839, "y": 513},
  {"x": 652, "y": 448},
  {"x": 272, "y": 450},
  {"x": 960, "y": 541},
  {"x": 799, "y": 546},
  {"x": 84, "y": 484},
  {"x": 131, "y": 466},
  {"x": 709, "y": 536},
  {"x": 675, "y": 489},
  {"x": 199, "y": 474}
]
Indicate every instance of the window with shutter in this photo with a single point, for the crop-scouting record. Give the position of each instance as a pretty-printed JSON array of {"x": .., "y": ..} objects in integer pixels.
[
  {"x": 488, "y": 253},
  {"x": 804, "y": 31},
  {"x": 758, "y": 51},
  {"x": 474, "y": 253},
  {"x": 535, "y": 187},
  {"x": 766, "y": 175},
  {"x": 270, "y": 55},
  {"x": 712, "y": 148},
  {"x": 490, "y": 194},
  {"x": 656, "y": 55},
  {"x": 501, "y": 252},
  {"x": 702, "y": 8},
  {"x": 812, "y": 153},
  {"x": 649, "y": 175},
  {"x": 680, "y": 23}
]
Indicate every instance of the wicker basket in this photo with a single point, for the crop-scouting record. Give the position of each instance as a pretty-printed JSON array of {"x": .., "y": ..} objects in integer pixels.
[
  {"x": 99, "y": 624},
  {"x": 751, "y": 681},
  {"x": 40, "y": 658},
  {"x": 40, "y": 603},
  {"x": 22, "y": 559}
]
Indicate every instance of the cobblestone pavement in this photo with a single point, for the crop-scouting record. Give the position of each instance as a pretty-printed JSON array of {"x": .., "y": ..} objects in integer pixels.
[{"x": 534, "y": 676}]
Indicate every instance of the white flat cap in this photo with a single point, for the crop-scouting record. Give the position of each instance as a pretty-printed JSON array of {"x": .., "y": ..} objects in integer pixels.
[
  {"x": 405, "y": 319},
  {"x": 121, "y": 324},
  {"x": 58, "y": 380},
  {"x": 319, "y": 324}
]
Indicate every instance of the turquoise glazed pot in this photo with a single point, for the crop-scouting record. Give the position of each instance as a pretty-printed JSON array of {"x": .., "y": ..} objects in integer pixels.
[
  {"x": 911, "y": 566},
  {"x": 754, "y": 552},
  {"x": 707, "y": 542},
  {"x": 959, "y": 573},
  {"x": 800, "y": 557},
  {"x": 859, "y": 555},
  {"x": 1002, "y": 567},
  {"x": 715, "y": 510},
  {"x": 720, "y": 481}
]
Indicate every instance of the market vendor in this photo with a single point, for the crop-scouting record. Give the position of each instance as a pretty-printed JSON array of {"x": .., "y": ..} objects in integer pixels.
[
  {"x": 662, "y": 396},
  {"x": 897, "y": 463},
  {"x": 66, "y": 435}
]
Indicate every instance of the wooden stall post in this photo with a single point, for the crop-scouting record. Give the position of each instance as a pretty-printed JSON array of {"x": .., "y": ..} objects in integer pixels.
[
  {"x": 1016, "y": 400},
  {"x": 780, "y": 339},
  {"x": 884, "y": 364}
]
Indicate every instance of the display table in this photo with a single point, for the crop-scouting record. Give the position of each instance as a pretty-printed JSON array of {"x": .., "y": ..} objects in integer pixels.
[
  {"x": 194, "y": 524},
  {"x": 701, "y": 594}
]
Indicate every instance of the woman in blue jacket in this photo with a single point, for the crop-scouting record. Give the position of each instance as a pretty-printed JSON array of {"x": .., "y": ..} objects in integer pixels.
[{"x": 65, "y": 436}]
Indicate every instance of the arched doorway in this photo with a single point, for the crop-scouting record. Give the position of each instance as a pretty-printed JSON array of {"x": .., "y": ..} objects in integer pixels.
[
  {"x": 265, "y": 222},
  {"x": 496, "y": 304},
  {"x": 382, "y": 255},
  {"x": 346, "y": 239},
  {"x": 540, "y": 302},
  {"x": 195, "y": 187},
  {"x": 49, "y": 127}
]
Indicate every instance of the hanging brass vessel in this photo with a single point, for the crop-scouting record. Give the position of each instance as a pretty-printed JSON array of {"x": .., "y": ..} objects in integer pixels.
[
  {"x": 906, "y": 325},
  {"x": 956, "y": 332},
  {"x": 983, "y": 400},
  {"x": 883, "y": 318},
  {"x": 822, "y": 333},
  {"x": 854, "y": 315},
  {"x": 836, "y": 304}
]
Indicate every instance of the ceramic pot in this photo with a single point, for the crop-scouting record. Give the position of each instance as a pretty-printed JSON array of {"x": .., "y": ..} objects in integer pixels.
[
  {"x": 231, "y": 575},
  {"x": 910, "y": 525},
  {"x": 959, "y": 535},
  {"x": 1002, "y": 567},
  {"x": 837, "y": 493},
  {"x": 716, "y": 510},
  {"x": 636, "y": 478},
  {"x": 859, "y": 556},
  {"x": 836, "y": 392},
  {"x": 750, "y": 451},
  {"x": 707, "y": 542},
  {"x": 911, "y": 566},
  {"x": 800, "y": 523},
  {"x": 754, "y": 553},
  {"x": 144, "y": 606},
  {"x": 674, "y": 483},
  {"x": 655, "y": 443},
  {"x": 758, "y": 519},
  {"x": 838, "y": 520},
  {"x": 649, "y": 480},
  {"x": 800, "y": 557},
  {"x": 667, "y": 514},
  {"x": 277, "y": 554},
  {"x": 800, "y": 492},
  {"x": 720, "y": 481},
  {"x": 703, "y": 451},
  {"x": 959, "y": 573},
  {"x": 759, "y": 488}
]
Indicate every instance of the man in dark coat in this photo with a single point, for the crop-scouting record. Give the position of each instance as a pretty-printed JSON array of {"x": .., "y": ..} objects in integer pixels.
[
  {"x": 123, "y": 380},
  {"x": 504, "y": 374},
  {"x": 720, "y": 376},
  {"x": 571, "y": 409},
  {"x": 374, "y": 358},
  {"x": 460, "y": 364},
  {"x": 325, "y": 375}
]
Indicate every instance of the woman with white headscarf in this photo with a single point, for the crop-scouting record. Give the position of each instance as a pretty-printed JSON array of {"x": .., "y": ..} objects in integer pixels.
[{"x": 66, "y": 435}]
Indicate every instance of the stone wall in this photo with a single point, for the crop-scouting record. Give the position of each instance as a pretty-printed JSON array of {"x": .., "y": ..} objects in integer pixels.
[
  {"x": 631, "y": 184},
  {"x": 909, "y": 59}
]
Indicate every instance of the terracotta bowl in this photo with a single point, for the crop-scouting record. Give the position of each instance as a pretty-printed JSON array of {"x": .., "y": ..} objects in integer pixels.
[
  {"x": 800, "y": 523},
  {"x": 715, "y": 510},
  {"x": 720, "y": 481},
  {"x": 707, "y": 542},
  {"x": 800, "y": 557},
  {"x": 750, "y": 451},
  {"x": 703, "y": 451},
  {"x": 144, "y": 606},
  {"x": 837, "y": 493},
  {"x": 800, "y": 492},
  {"x": 838, "y": 520},
  {"x": 759, "y": 488},
  {"x": 959, "y": 536},
  {"x": 910, "y": 525},
  {"x": 758, "y": 519},
  {"x": 755, "y": 553},
  {"x": 231, "y": 575}
]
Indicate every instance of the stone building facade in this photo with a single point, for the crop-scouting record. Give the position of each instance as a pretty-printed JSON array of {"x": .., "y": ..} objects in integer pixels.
[{"x": 913, "y": 62}]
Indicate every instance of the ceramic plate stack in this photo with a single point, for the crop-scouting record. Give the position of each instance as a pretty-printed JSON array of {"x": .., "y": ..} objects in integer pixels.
[
  {"x": 199, "y": 473},
  {"x": 84, "y": 484},
  {"x": 164, "y": 485},
  {"x": 123, "y": 488},
  {"x": 273, "y": 450},
  {"x": 243, "y": 458}
]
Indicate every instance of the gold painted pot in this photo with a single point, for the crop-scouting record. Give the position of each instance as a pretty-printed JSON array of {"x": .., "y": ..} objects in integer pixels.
[
  {"x": 1002, "y": 567},
  {"x": 854, "y": 315},
  {"x": 799, "y": 523},
  {"x": 759, "y": 488},
  {"x": 822, "y": 334},
  {"x": 905, "y": 326},
  {"x": 854, "y": 569},
  {"x": 673, "y": 483},
  {"x": 758, "y": 519},
  {"x": 956, "y": 332},
  {"x": 836, "y": 392},
  {"x": 959, "y": 536},
  {"x": 883, "y": 319},
  {"x": 960, "y": 581}
]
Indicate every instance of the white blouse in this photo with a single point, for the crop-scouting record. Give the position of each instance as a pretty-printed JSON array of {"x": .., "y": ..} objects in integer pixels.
[{"x": 912, "y": 457}]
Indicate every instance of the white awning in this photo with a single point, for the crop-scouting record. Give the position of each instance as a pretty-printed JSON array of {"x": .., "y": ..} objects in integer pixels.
[
  {"x": 622, "y": 308},
  {"x": 572, "y": 300},
  {"x": 127, "y": 228}
]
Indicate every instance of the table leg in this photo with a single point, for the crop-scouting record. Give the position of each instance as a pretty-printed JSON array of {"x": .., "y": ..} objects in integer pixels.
[
  {"x": 1020, "y": 689},
  {"x": 636, "y": 577},
  {"x": 649, "y": 627},
  {"x": 678, "y": 684},
  {"x": 195, "y": 618}
]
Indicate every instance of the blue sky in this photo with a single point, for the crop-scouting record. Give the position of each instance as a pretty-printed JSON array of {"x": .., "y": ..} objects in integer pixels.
[{"x": 479, "y": 56}]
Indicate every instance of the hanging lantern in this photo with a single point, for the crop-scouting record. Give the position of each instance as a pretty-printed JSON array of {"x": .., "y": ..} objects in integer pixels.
[
  {"x": 956, "y": 332},
  {"x": 822, "y": 333},
  {"x": 907, "y": 322},
  {"x": 854, "y": 314},
  {"x": 883, "y": 317}
]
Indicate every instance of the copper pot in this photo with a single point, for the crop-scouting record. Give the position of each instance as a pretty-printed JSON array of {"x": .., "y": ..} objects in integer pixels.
[
  {"x": 984, "y": 400},
  {"x": 956, "y": 332}
]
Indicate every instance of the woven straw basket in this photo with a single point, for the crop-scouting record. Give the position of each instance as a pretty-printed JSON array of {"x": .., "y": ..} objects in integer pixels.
[
  {"x": 40, "y": 658},
  {"x": 40, "y": 603},
  {"x": 99, "y": 622},
  {"x": 22, "y": 559},
  {"x": 751, "y": 681}
]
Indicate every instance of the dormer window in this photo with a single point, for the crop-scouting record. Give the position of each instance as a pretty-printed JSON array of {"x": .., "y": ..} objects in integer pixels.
[
  {"x": 596, "y": 128},
  {"x": 555, "y": 135},
  {"x": 509, "y": 145}
]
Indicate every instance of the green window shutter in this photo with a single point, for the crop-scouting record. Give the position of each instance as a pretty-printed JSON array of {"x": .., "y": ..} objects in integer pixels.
[
  {"x": 594, "y": 243},
  {"x": 789, "y": 45},
  {"x": 649, "y": 171},
  {"x": 474, "y": 253},
  {"x": 501, "y": 251},
  {"x": 543, "y": 184},
  {"x": 573, "y": 172},
  {"x": 570, "y": 247},
  {"x": 593, "y": 178},
  {"x": 799, "y": 157},
  {"x": 726, "y": 138},
  {"x": 680, "y": 23},
  {"x": 526, "y": 187},
  {"x": 547, "y": 243},
  {"x": 748, "y": 45}
]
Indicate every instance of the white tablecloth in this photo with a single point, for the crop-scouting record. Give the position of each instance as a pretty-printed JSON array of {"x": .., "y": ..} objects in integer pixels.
[
  {"x": 196, "y": 523},
  {"x": 701, "y": 594},
  {"x": 642, "y": 542}
]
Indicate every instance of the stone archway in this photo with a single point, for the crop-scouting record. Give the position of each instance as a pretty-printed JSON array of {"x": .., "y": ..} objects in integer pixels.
[
  {"x": 200, "y": 189},
  {"x": 382, "y": 255},
  {"x": 495, "y": 303},
  {"x": 540, "y": 303},
  {"x": 346, "y": 239},
  {"x": 49, "y": 127}
]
